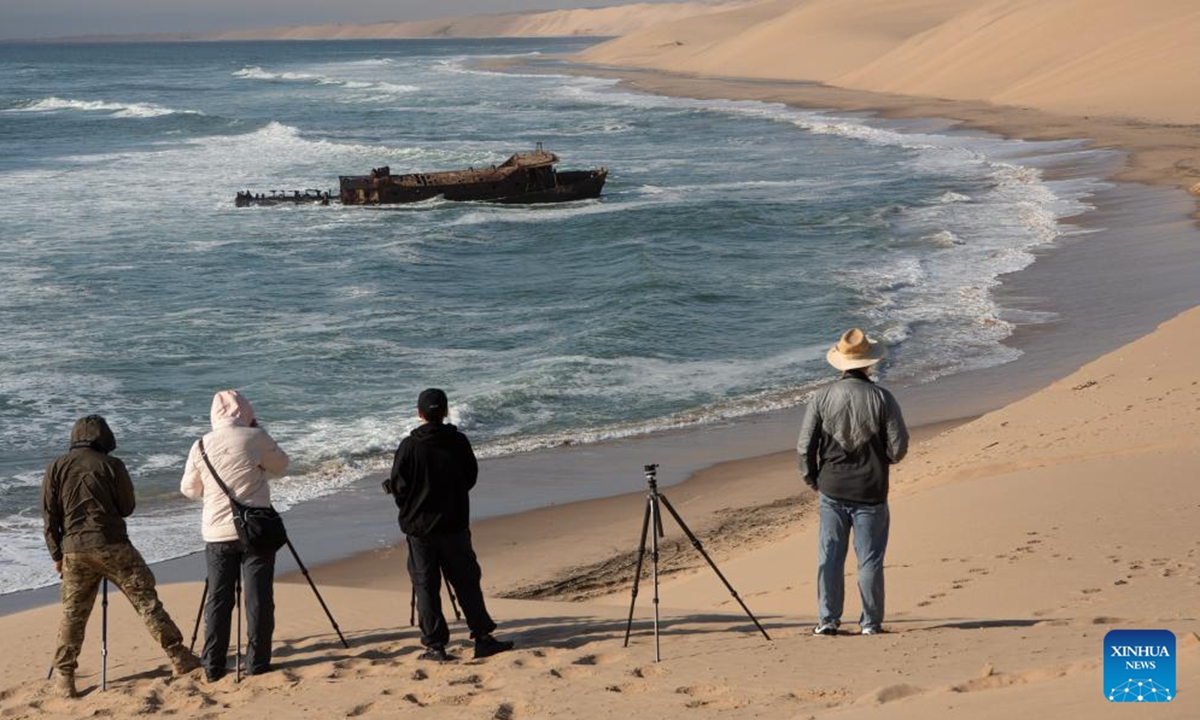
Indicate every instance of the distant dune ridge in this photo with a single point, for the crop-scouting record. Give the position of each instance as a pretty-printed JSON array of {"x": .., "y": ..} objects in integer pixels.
[
  {"x": 1079, "y": 57},
  {"x": 1114, "y": 57},
  {"x": 598, "y": 22}
]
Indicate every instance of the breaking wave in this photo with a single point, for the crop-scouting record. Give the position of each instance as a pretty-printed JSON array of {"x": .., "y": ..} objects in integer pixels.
[{"x": 116, "y": 109}]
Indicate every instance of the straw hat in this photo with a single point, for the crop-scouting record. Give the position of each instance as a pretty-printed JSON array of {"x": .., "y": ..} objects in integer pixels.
[{"x": 855, "y": 350}]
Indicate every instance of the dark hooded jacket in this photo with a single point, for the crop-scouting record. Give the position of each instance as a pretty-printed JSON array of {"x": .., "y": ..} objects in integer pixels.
[
  {"x": 432, "y": 474},
  {"x": 86, "y": 493}
]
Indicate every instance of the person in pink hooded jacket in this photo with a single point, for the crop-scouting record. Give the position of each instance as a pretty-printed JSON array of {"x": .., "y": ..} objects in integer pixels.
[{"x": 244, "y": 455}]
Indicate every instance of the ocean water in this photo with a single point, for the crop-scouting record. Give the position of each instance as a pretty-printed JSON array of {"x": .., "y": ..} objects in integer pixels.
[{"x": 734, "y": 240}]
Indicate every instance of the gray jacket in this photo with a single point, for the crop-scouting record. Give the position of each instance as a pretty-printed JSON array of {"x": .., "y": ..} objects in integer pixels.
[{"x": 852, "y": 433}]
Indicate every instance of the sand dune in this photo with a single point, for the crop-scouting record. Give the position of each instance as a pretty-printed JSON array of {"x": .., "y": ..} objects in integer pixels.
[
  {"x": 599, "y": 22},
  {"x": 1078, "y": 57}
]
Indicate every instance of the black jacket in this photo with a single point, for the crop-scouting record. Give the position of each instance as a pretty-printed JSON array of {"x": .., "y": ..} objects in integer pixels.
[
  {"x": 87, "y": 493},
  {"x": 432, "y": 474}
]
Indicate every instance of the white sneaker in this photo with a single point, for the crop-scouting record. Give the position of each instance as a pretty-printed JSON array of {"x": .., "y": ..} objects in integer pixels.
[
  {"x": 827, "y": 628},
  {"x": 871, "y": 630}
]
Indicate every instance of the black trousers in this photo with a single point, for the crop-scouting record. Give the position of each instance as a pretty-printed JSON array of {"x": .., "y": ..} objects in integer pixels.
[
  {"x": 449, "y": 554},
  {"x": 225, "y": 561}
]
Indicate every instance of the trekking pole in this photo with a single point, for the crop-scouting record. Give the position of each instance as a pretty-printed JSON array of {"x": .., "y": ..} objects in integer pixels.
[
  {"x": 237, "y": 599},
  {"x": 199, "y": 612},
  {"x": 104, "y": 634},
  {"x": 412, "y": 611}
]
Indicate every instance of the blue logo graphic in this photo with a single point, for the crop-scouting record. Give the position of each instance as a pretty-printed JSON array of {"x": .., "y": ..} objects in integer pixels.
[{"x": 1139, "y": 666}]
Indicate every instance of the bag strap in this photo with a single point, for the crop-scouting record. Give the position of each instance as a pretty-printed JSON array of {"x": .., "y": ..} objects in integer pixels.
[{"x": 221, "y": 483}]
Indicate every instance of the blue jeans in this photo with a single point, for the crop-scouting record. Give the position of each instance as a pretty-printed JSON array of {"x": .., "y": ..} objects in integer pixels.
[{"x": 870, "y": 524}]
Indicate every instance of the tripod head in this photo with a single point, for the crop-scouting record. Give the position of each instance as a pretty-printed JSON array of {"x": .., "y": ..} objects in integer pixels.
[{"x": 651, "y": 472}]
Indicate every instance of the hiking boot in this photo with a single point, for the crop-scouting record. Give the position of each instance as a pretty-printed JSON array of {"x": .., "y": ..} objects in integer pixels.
[
  {"x": 436, "y": 653},
  {"x": 827, "y": 628},
  {"x": 214, "y": 674},
  {"x": 488, "y": 645},
  {"x": 871, "y": 630},
  {"x": 183, "y": 661},
  {"x": 64, "y": 686}
]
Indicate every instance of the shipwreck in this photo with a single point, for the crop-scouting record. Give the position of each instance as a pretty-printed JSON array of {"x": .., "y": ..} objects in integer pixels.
[{"x": 525, "y": 178}]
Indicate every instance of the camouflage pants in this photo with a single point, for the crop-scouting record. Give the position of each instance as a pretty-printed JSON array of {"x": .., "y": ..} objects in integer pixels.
[{"x": 123, "y": 565}]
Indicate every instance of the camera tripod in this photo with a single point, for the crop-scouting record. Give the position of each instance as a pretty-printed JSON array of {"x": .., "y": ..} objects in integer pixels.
[
  {"x": 653, "y": 517},
  {"x": 238, "y": 604}
]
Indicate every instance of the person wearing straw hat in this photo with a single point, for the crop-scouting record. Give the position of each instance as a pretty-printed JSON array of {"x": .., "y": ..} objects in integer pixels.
[{"x": 852, "y": 433}]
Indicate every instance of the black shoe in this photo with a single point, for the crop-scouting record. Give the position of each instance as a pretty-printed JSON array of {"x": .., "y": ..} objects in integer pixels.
[
  {"x": 436, "y": 653},
  {"x": 487, "y": 646},
  {"x": 259, "y": 670},
  {"x": 214, "y": 674}
]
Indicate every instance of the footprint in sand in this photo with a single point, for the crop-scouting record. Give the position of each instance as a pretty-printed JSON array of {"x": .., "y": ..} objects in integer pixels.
[
  {"x": 504, "y": 712},
  {"x": 716, "y": 697},
  {"x": 473, "y": 680}
]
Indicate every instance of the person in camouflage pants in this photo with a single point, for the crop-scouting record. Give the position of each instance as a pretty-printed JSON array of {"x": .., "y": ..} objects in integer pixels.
[{"x": 86, "y": 496}]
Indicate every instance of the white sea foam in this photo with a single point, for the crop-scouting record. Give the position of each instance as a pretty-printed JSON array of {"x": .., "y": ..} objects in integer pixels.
[
  {"x": 952, "y": 197},
  {"x": 943, "y": 239},
  {"x": 116, "y": 109},
  {"x": 255, "y": 72},
  {"x": 388, "y": 89}
]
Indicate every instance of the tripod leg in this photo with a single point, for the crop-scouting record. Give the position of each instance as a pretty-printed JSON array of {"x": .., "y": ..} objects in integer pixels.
[
  {"x": 104, "y": 634},
  {"x": 199, "y": 613},
  {"x": 657, "y": 520},
  {"x": 637, "y": 574},
  {"x": 237, "y": 600},
  {"x": 696, "y": 544},
  {"x": 453, "y": 600},
  {"x": 412, "y": 608},
  {"x": 316, "y": 592}
]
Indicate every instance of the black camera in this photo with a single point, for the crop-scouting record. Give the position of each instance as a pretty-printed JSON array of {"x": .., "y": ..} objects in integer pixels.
[{"x": 650, "y": 469}]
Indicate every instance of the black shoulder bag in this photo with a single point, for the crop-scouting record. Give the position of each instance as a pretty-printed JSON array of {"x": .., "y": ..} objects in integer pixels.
[{"x": 260, "y": 529}]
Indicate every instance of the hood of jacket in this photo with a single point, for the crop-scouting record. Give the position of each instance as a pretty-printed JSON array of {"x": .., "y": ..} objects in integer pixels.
[
  {"x": 230, "y": 407},
  {"x": 435, "y": 434},
  {"x": 93, "y": 432}
]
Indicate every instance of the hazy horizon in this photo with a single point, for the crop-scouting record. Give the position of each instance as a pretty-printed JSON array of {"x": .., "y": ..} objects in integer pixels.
[{"x": 45, "y": 19}]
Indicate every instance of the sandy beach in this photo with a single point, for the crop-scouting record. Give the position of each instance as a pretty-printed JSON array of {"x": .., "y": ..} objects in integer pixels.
[{"x": 1020, "y": 536}]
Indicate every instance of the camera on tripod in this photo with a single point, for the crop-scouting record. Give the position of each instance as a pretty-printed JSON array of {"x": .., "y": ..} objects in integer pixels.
[{"x": 651, "y": 470}]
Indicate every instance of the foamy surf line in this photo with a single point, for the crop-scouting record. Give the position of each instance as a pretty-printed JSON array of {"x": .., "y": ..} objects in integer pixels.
[
  {"x": 258, "y": 73},
  {"x": 116, "y": 109}
]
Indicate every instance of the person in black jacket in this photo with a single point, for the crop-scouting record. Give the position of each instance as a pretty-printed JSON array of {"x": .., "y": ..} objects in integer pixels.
[{"x": 432, "y": 474}]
